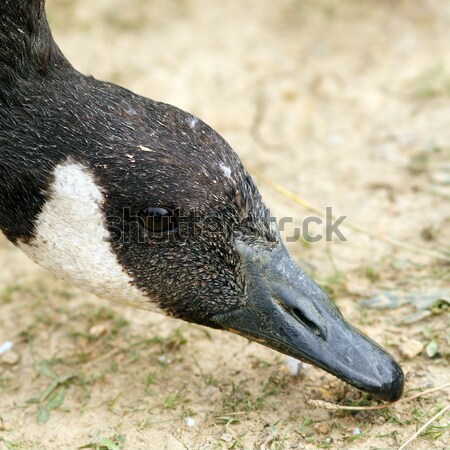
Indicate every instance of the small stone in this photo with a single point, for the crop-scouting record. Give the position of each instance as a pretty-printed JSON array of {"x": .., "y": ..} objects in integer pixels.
[
  {"x": 294, "y": 366},
  {"x": 226, "y": 437},
  {"x": 379, "y": 420},
  {"x": 432, "y": 349},
  {"x": 99, "y": 330},
  {"x": 356, "y": 432},
  {"x": 189, "y": 421},
  {"x": 164, "y": 360},
  {"x": 211, "y": 392},
  {"x": 5, "y": 426},
  {"x": 10, "y": 358},
  {"x": 6, "y": 347},
  {"x": 322, "y": 428},
  {"x": 411, "y": 348},
  {"x": 441, "y": 177}
]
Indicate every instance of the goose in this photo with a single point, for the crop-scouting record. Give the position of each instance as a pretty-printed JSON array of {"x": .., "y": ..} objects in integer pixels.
[{"x": 144, "y": 204}]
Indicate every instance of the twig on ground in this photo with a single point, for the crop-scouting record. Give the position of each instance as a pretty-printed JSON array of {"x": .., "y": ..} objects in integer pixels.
[
  {"x": 424, "y": 427},
  {"x": 334, "y": 407}
]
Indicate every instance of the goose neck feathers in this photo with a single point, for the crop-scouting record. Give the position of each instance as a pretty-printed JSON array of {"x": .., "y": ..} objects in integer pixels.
[{"x": 28, "y": 50}]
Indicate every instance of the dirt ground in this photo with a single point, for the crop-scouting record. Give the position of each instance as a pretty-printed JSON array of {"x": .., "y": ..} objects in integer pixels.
[{"x": 347, "y": 105}]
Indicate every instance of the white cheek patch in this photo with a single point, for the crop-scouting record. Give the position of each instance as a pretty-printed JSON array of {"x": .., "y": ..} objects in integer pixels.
[{"x": 70, "y": 239}]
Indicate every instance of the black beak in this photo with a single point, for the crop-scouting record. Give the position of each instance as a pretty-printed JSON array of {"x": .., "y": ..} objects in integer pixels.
[{"x": 288, "y": 312}]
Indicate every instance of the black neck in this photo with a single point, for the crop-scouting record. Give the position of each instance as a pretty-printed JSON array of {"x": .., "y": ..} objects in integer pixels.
[{"x": 27, "y": 48}]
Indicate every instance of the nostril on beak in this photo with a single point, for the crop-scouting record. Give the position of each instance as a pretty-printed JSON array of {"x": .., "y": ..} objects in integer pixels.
[
  {"x": 289, "y": 300},
  {"x": 308, "y": 323}
]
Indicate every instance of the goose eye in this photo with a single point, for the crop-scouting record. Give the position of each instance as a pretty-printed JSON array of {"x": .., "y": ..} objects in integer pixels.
[{"x": 157, "y": 220}]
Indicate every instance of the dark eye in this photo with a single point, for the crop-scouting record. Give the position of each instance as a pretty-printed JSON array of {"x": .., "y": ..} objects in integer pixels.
[{"x": 157, "y": 220}]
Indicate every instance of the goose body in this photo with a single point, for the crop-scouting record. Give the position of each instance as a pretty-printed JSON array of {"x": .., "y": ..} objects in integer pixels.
[{"x": 142, "y": 203}]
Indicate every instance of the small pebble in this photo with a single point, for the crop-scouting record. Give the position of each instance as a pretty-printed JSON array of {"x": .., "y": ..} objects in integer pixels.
[
  {"x": 10, "y": 358},
  {"x": 441, "y": 177},
  {"x": 291, "y": 365},
  {"x": 379, "y": 420},
  {"x": 211, "y": 392},
  {"x": 189, "y": 421},
  {"x": 163, "y": 359},
  {"x": 6, "y": 347},
  {"x": 5, "y": 426},
  {"x": 411, "y": 348},
  {"x": 226, "y": 437},
  {"x": 322, "y": 428},
  {"x": 356, "y": 432},
  {"x": 294, "y": 366},
  {"x": 99, "y": 330}
]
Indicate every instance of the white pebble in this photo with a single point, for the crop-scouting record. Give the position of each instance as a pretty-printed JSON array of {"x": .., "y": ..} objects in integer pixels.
[
  {"x": 189, "y": 421},
  {"x": 6, "y": 347},
  {"x": 226, "y": 437},
  {"x": 293, "y": 365},
  {"x": 356, "y": 431}
]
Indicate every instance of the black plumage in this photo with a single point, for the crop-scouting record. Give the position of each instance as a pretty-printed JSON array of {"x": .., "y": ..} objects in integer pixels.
[{"x": 224, "y": 265}]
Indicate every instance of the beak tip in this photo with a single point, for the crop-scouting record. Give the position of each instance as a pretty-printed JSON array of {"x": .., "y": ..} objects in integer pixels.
[
  {"x": 385, "y": 381},
  {"x": 392, "y": 389}
]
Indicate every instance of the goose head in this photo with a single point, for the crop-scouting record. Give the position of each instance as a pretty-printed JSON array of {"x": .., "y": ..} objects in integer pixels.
[
  {"x": 142, "y": 203},
  {"x": 157, "y": 211}
]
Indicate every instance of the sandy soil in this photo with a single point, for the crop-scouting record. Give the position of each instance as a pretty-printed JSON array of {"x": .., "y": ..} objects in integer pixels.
[{"x": 344, "y": 103}]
